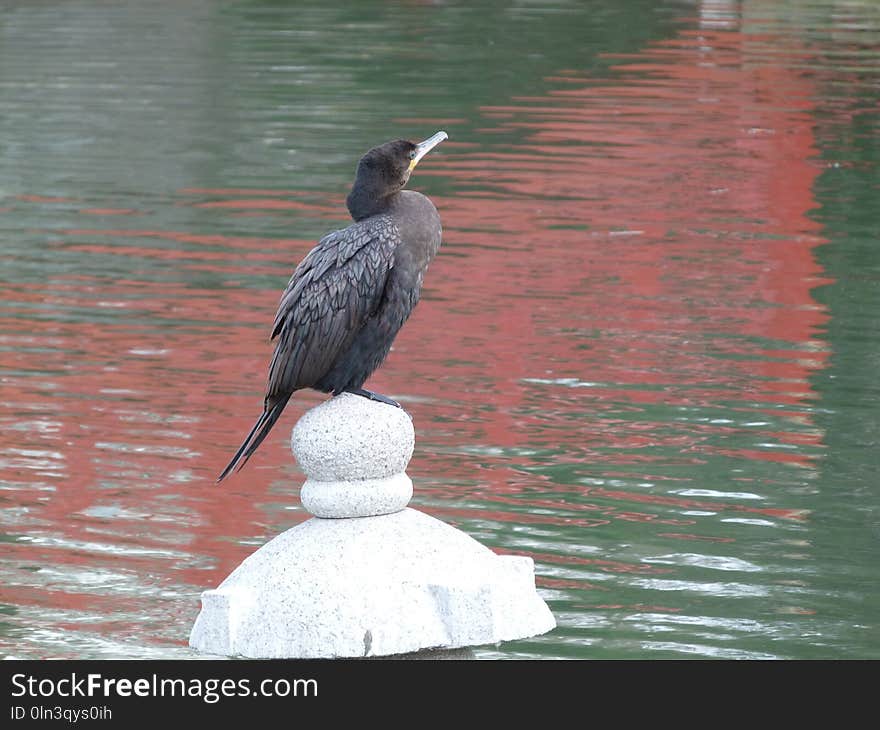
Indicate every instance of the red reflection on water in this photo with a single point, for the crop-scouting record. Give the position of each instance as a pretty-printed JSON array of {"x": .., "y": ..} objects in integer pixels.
[
  {"x": 665, "y": 218},
  {"x": 606, "y": 566},
  {"x": 110, "y": 211},
  {"x": 691, "y": 537},
  {"x": 635, "y": 608}
]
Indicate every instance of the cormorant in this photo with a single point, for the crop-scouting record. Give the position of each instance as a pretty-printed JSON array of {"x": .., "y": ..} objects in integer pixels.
[{"x": 352, "y": 292}]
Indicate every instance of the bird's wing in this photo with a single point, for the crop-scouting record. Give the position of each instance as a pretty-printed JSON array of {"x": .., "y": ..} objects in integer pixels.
[{"x": 332, "y": 293}]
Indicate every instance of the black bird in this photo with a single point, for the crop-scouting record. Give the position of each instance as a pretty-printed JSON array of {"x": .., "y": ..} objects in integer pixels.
[{"x": 351, "y": 294}]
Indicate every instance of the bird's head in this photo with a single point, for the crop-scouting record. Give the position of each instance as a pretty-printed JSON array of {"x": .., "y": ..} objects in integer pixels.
[{"x": 385, "y": 170}]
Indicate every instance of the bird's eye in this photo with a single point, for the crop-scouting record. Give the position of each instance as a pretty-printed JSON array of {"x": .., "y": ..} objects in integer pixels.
[{"x": 412, "y": 154}]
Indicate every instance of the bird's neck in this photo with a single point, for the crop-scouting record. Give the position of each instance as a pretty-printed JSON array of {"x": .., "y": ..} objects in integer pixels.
[{"x": 364, "y": 201}]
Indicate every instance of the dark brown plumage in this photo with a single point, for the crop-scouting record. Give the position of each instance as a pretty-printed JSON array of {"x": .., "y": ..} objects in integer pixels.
[{"x": 351, "y": 294}]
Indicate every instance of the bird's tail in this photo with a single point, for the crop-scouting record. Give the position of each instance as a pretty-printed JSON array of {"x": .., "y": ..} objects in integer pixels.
[{"x": 255, "y": 437}]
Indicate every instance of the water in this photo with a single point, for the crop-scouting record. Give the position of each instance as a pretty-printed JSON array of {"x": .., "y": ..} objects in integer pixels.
[{"x": 646, "y": 354}]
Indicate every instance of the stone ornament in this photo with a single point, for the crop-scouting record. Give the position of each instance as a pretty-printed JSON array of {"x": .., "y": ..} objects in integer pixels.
[{"x": 367, "y": 576}]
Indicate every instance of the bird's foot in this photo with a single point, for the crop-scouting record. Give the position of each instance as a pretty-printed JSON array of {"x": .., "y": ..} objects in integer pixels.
[{"x": 373, "y": 396}]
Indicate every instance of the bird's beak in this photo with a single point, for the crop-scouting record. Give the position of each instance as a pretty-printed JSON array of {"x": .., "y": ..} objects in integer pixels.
[{"x": 423, "y": 148}]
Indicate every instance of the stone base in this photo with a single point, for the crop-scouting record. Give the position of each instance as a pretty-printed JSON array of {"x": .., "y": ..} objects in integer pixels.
[{"x": 370, "y": 586}]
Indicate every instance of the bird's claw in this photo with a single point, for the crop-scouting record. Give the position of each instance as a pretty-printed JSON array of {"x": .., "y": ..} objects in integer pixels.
[{"x": 370, "y": 395}]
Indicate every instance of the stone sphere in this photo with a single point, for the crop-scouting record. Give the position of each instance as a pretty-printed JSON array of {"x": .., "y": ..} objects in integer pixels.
[{"x": 349, "y": 438}]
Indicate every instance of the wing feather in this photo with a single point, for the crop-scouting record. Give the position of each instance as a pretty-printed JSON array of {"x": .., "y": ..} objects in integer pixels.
[{"x": 333, "y": 292}]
